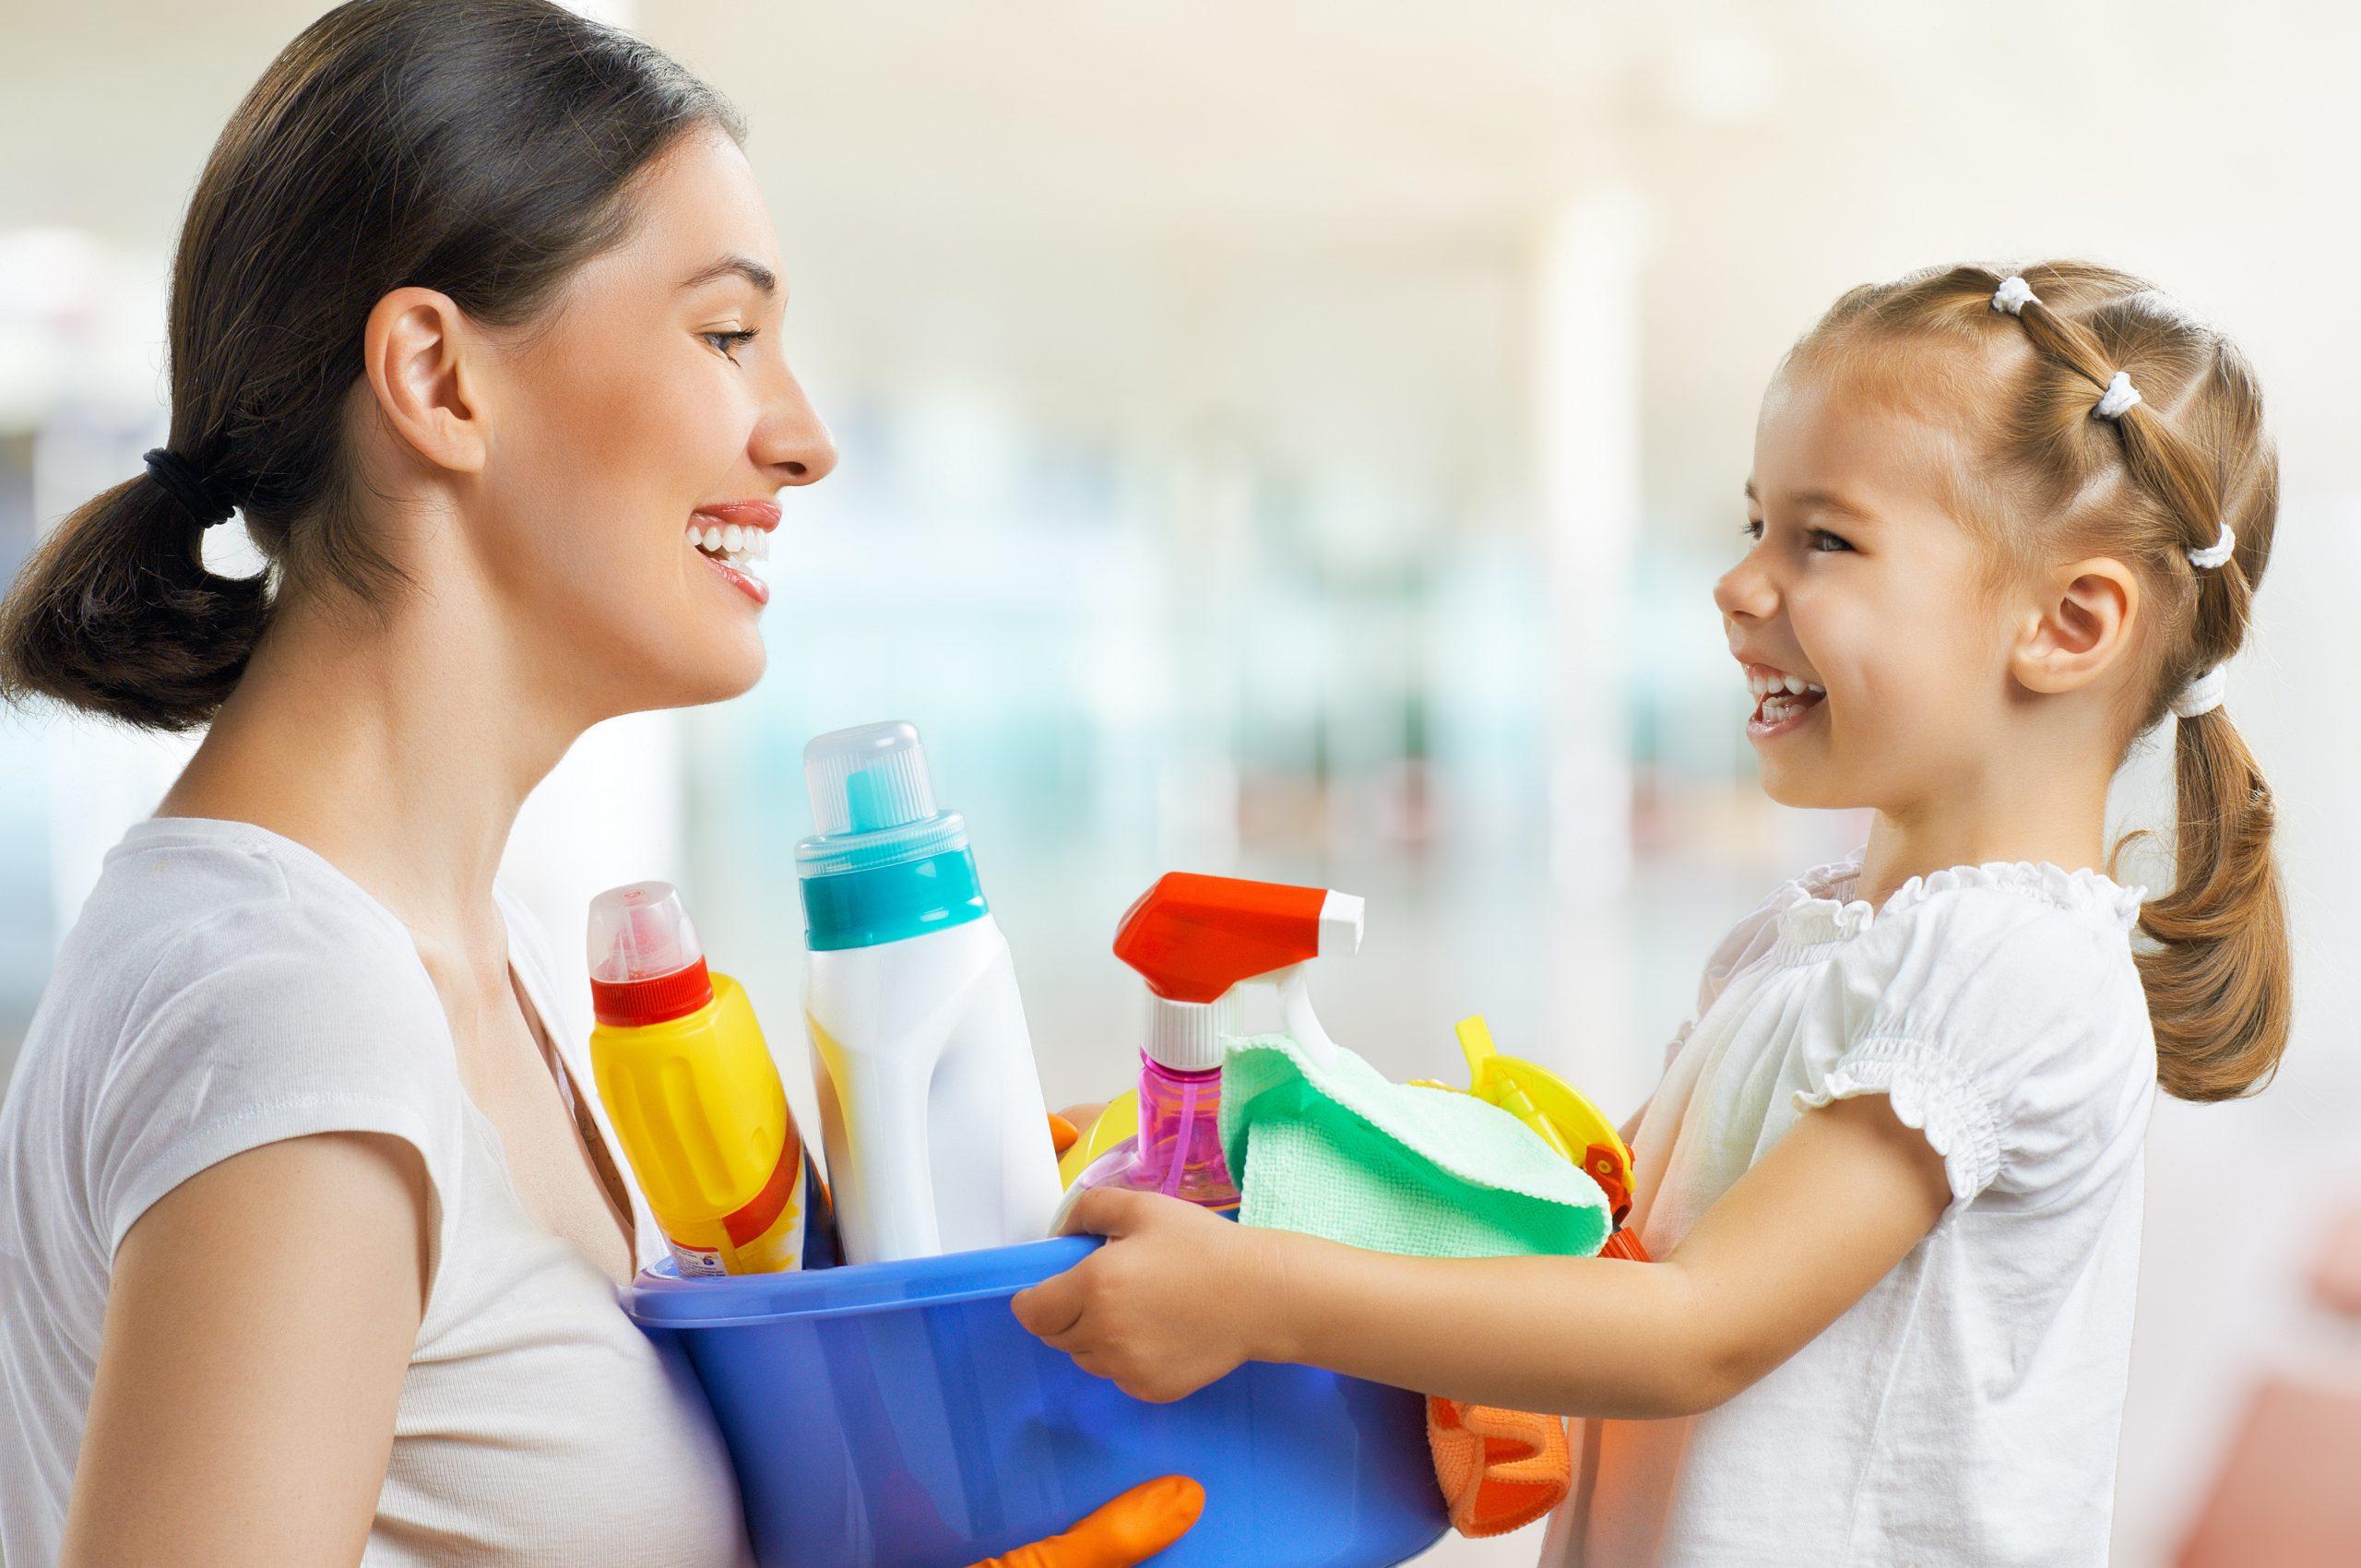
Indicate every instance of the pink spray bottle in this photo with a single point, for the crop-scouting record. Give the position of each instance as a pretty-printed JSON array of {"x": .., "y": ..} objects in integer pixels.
[{"x": 1196, "y": 940}]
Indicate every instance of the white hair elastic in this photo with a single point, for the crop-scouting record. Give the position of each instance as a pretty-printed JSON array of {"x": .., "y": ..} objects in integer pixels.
[
  {"x": 2200, "y": 696},
  {"x": 2013, "y": 295},
  {"x": 2118, "y": 398},
  {"x": 2215, "y": 553}
]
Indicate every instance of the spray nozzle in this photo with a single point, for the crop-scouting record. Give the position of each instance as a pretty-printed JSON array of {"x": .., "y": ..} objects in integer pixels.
[{"x": 1195, "y": 939}]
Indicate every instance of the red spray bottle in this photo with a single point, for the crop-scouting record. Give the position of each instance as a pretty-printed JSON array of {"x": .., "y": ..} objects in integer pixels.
[{"x": 1195, "y": 939}]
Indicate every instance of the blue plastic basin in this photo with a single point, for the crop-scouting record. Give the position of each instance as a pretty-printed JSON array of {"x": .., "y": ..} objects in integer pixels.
[{"x": 899, "y": 1415}]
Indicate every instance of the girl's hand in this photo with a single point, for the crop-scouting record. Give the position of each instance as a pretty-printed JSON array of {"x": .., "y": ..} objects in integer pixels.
[{"x": 1167, "y": 1306}]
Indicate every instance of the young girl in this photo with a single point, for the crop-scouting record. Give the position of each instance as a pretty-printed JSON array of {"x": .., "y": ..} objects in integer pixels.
[{"x": 2003, "y": 524}]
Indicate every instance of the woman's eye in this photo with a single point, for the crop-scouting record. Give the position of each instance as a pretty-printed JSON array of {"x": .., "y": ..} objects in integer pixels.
[{"x": 728, "y": 341}]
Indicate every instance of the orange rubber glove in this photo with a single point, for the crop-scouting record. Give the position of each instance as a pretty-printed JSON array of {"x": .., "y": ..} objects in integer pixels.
[
  {"x": 1063, "y": 1133},
  {"x": 1132, "y": 1528}
]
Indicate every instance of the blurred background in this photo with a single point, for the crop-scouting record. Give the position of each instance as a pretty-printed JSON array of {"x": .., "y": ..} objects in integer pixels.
[{"x": 1298, "y": 440}]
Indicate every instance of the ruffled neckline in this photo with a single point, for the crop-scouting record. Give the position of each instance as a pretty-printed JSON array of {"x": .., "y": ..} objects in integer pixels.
[{"x": 1817, "y": 908}]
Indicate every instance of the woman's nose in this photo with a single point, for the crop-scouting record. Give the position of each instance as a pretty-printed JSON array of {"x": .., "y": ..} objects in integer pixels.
[{"x": 792, "y": 442}]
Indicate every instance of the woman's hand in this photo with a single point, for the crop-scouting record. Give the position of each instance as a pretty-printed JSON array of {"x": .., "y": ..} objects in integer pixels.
[{"x": 1171, "y": 1303}]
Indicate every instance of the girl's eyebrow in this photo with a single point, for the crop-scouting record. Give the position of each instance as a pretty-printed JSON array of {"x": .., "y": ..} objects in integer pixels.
[{"x": 1819, "y": 501}]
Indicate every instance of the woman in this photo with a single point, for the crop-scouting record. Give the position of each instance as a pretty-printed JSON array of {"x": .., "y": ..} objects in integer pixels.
[{"x": 312, "y": 1240}]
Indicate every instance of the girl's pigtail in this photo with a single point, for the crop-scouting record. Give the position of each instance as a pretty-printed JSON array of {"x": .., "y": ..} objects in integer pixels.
[{"x": 2219, "y": 980}]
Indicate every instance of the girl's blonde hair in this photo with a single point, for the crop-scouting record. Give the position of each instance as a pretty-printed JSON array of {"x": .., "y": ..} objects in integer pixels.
[{"x": 2052, "y": 482}]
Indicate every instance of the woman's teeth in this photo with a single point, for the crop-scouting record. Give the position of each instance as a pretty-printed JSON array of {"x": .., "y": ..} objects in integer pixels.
[{"x": 730, "y": 542}]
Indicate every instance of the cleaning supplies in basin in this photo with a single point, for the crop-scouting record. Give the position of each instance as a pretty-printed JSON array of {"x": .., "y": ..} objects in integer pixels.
[
  {"x": 1564, "y": 1117},
  {"x": 695, "y": 1098},
  {"x": 1195, "y": 940},
  {"x": 1335, "y": 1149},
  {"x": 930, "y": 1102},
  {"x": 1323, "y": 1143}
]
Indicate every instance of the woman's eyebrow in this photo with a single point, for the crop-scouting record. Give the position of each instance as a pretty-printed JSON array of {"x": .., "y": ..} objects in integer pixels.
[{"x": 753, "y": 272}]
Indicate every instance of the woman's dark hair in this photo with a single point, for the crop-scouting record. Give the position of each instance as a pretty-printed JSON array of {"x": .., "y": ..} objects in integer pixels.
[{"x": 477, "y": 147}]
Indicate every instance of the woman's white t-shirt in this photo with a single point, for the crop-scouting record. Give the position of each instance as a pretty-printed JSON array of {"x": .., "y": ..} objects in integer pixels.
[
  {"x": 1967, "y": 1409},
  {"x": 225, "y": 988}
]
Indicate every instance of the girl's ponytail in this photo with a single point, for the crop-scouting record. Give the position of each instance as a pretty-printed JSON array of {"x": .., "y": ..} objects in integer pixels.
[
  {"x": 114, "y": 613},
  {"x": 2218, "y": 981}
]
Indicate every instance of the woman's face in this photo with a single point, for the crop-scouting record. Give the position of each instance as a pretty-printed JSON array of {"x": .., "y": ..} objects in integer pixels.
[
  {"x": 641, "y": 432},
  {"x": 1860, "y": 588}
]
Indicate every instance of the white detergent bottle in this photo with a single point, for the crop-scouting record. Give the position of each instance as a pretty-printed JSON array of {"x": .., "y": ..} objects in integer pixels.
[{"x": 930, "y": 1102}]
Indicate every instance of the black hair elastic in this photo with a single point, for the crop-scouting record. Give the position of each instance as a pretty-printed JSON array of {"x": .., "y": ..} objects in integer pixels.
[{"x": 181, "y": 481}]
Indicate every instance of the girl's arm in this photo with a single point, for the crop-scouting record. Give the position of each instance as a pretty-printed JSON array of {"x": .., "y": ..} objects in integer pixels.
[
  {"x": 257, "y": 1329},
  {"x": 1179, "y": 1295}
]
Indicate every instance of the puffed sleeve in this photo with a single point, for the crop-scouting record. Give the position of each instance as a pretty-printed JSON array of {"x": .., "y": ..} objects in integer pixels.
[{"x": 2007, "y": 1029}]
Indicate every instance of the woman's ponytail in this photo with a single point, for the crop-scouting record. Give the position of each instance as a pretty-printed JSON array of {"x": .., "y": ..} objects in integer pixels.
[
  {"x": 482, "y": 148},
  {"x": 2219, "y": 978},
  {"x": 114, "y": 613}
]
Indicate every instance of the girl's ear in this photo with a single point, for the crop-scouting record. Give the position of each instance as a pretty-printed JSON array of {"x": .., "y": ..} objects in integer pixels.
[
  {"x": 416, "y": 357},
  {"x": 2079, "y": 626}
]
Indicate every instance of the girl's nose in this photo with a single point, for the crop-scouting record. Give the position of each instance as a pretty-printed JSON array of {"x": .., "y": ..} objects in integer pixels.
[
  {"x": 792, "y": 442},
  {"x": 1746, "y": 589}
]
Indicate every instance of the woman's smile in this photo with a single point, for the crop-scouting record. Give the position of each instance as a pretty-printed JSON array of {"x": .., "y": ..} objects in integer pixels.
[{"x": 730, "y": 535}]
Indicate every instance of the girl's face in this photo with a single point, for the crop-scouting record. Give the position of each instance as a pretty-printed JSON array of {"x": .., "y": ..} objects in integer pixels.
[
  {"x": 1877, "y": 662},
  {"x": 641, "y": 432}
]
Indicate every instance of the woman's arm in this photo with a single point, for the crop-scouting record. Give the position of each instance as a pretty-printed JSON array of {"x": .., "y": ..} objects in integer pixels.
[
  {"x": 1181, "y": 1296},
  {"x": 257, "y": 1329}
]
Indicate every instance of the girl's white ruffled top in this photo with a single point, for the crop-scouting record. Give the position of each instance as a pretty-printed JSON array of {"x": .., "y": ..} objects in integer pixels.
[{"x": 1966, "y": 1409}]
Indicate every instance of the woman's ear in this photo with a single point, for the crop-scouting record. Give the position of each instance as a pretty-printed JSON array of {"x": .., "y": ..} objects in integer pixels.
[
  {"x": 2079, "y": 626},
  {"x": 415, "y": 354}
]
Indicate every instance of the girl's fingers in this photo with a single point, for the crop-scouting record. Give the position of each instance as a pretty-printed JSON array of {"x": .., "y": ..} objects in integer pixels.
[
  {"x": 1106, "y": 1211},
  {"x": 1052, "y": 1307}
]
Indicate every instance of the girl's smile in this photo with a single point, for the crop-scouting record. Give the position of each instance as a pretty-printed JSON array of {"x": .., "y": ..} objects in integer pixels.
[{"x": 1782, "y": 702}]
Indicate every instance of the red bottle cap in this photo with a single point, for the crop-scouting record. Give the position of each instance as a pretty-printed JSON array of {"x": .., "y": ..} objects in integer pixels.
[{"x": 646, "y": 964}]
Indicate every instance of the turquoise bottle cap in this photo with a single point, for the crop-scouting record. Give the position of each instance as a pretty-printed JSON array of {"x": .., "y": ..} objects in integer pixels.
[{"x": 872, "y": 802}]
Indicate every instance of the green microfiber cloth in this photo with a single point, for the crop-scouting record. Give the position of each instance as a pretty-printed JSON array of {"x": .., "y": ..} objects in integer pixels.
[{"x": 1340, "y": 1151}]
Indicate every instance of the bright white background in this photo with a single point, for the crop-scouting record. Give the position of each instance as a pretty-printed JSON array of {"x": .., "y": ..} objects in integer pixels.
[{"x": 1297, "y": 439}]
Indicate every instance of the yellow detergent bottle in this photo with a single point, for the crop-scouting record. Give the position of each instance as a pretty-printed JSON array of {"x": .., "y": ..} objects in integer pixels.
[{"x": 694, "y": 1097}]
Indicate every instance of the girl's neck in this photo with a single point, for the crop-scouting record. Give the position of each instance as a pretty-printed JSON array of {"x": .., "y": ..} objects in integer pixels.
[
  {"x": 2057, "y": 827},
  {"x": 398, "y": 747}
]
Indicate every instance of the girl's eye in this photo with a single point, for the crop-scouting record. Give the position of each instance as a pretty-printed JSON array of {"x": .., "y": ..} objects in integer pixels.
[
  {"x": 1827, "y": 544},
  {"x": 726, "y": 342},
  {"x": 1751, "y": 528}
]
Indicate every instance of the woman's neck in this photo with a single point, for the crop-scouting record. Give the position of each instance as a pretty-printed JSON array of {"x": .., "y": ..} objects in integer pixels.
[{"x": 400, "y": 748}]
